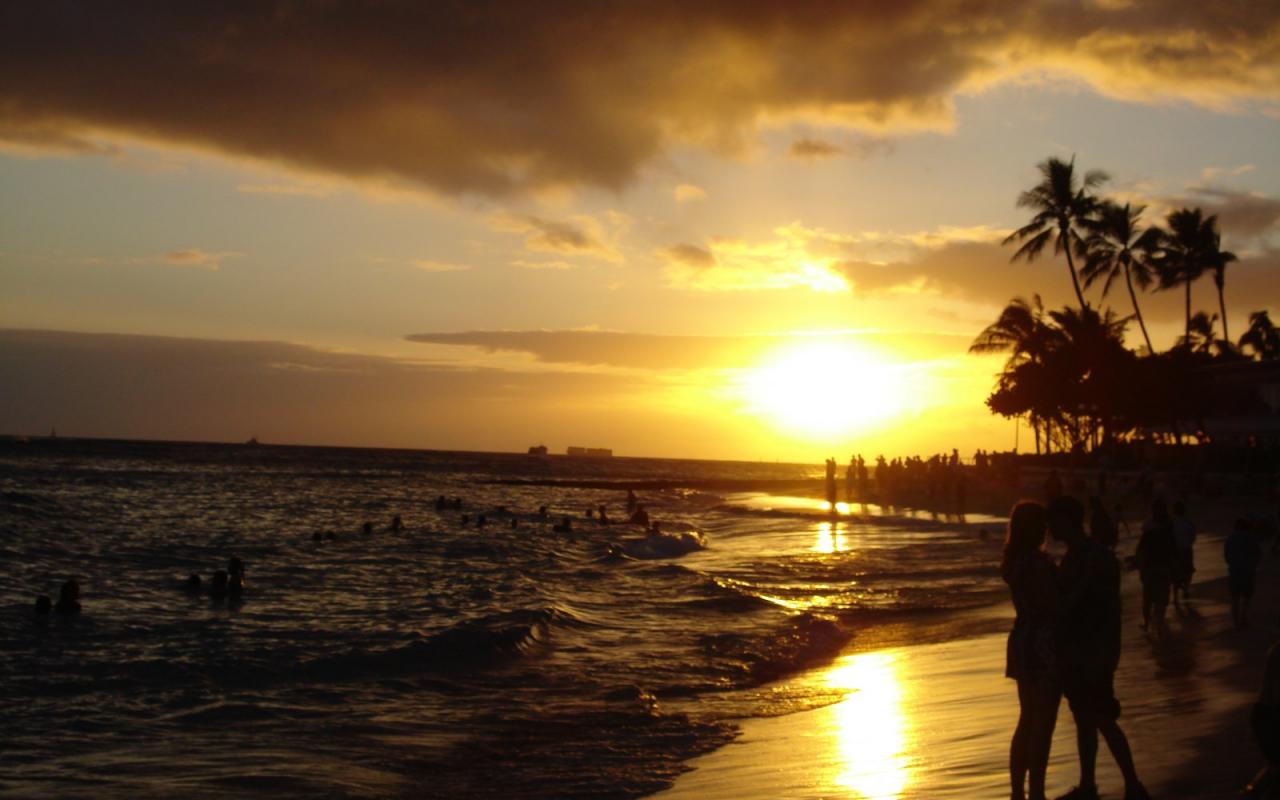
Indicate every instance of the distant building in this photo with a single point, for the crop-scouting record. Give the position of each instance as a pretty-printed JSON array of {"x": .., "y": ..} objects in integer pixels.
[{"x": 538, "y": 450}]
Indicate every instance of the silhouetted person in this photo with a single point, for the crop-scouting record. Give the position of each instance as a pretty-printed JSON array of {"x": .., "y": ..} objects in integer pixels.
[
  {"x": 1030, "y": 657},
  {"x": 640, "y": 517},
  {"x": 1184, "y": 566},
  {"x": 192, "y": 585},
  {"x": 43, "y": 605},
  {"x": 441, "y": 503},
  {"x": 1264, "y": 719},
  {"x": 1243, "y": 554},
  {"x": 397, "y": 524},
  {"x": 542, "y": 513},
  {"x": 632, "y": 502},
  {"x": 317, "y": 536},
  {"x": 831, "y": 483},
  {"x": 850, "y": 476},
  {"x": 218, "y": 585},
  {"x": 366, "y": 529},
  {"x": 1156, "y": 553},
  {"x": 1089, "y": 647},
  {"x": 961, "y": 496},
  {"x": 515, "y": 523},
  {"x": 602, "y": 517},
  {"x": 1052, "y": 486},
  {"x": 68, "y": 598},
  {"x": 481, "y": 520},
  {"x": 1102, "y": 528},
  {"x": 235, "y": 577}
]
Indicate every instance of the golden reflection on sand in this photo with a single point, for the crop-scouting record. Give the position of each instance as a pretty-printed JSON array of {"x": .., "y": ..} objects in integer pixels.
[{"x": 871, "y": 727}]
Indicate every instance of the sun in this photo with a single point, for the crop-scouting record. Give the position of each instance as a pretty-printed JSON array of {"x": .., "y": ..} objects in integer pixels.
[{"x": 824, "y": 388}]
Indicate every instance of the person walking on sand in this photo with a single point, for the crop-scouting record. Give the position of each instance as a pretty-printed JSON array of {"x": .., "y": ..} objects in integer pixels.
[
  {"x": 1243, "y": 554},
  {"x": 1030, "y": 657},
  {"x": 1156, "y": 553},
  {"x": 831, "y": 484},
  {"x": 1088, "y": 646},
  {"x": 1184, "y": 566}
]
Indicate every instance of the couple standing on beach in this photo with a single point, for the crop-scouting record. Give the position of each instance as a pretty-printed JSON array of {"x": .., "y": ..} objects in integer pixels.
[{"x": 1065, "y": 642}]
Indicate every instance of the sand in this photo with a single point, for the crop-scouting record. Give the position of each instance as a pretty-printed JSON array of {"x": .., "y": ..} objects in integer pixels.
[{"x": 934, "y": 720}]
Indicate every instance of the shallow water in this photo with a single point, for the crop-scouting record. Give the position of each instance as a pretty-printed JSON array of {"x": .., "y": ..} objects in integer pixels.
[{"x": 443, "y": 660}]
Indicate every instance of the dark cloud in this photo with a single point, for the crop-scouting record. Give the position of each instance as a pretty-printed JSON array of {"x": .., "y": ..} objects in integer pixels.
[
  {"x": 655, "y": 352},
  {"x": 503, "y": 96},
  {"x": 1245, "y": 214},
  {"x": 813, "y": 149},
  {"x": 690, "y": 255}
]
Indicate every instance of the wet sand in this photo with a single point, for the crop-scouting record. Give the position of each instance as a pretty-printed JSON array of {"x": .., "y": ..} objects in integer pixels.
[{"x": 934, "y": 720}]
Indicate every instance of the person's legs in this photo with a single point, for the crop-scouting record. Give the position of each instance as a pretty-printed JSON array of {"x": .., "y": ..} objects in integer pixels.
[
  {"x": 1118, "y": 744},
  {"x": 1018, "y": 748},
  {"x": 1087, "y": 746},
  {"x": 1046, "y": 719}
]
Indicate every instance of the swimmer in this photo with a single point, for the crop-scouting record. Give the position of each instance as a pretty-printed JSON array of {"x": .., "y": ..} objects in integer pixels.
[
  {"x": 542, "y": 513},
  {"x": 218, "y": 586},
  {"x": 591, "y": 513},
  {"x": 641, "y": 517},
  {"x": 481, "y": 521},
  {"x": 43, "y": 605},
  {"x": 441, "y": 503},
  {"x": 602, "y": 516},
  {"x": 397, "y": 524},
  {"x": 317, "y": 536},
  {"x": 235, "y": 577},
  {"x": 68, "y": 598},
  {"x": 192, "y": 584}
]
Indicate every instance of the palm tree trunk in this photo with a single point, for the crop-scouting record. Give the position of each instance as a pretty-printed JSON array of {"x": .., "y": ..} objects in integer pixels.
[
  {"x": 1065, "y": 236},
  {"x": 1222, "y": 304},
  {"x": 1187, "y": 332},
  {"x": 1137, "y": 312}
]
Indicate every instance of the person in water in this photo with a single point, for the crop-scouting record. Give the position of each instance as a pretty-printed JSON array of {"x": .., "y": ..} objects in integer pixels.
[
  {"x": 564, "y": 526},
  {"x": 1030, "y": 653},
  {"x": 1088, "y": 647},
  {"x": 68, "y": 598},
  {"x": 218, "y": 585},
  {"x": 43, "y": 605},
  {"x": 397, "y": 524},
  {"x": 235, "y": 577},
  {"x": 366, "y": 529},
  {"x": 632, "y": 502},
  {"x": 602, "y": 517},
  {"x": 192, "y": 584},
  {"x": 641, "y": 517}
]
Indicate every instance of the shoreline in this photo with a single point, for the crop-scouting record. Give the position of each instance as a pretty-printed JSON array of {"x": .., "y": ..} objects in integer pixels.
[{"x": 933, "y": 720}]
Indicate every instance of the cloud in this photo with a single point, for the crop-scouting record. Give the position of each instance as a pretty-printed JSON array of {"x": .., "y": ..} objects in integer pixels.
[
  {"x": 438, "y": 266},
  {"x": 580, "y": 235},
  {"x": 688, "y": 192},
  {"x": 198, "y": 258},
  {"x": 1242, "y": 214},
  {"x": 814, "y": 149},
  {"x": 963, "y": 262},
  {"x": 662, "y": 353},
  {"x": 553, "y": 265},
  {"x": 499, "y": 97}
]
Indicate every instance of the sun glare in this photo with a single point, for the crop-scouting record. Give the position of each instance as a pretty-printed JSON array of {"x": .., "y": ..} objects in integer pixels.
[
  {"x": 824, "y": 388},
  {"x": 871, "y": 727}
]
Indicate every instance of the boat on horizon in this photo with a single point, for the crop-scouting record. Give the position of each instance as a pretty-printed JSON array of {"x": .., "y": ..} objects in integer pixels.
[
  {"x": 538, "y": 450},
  {"x": 590, "y": 452}
]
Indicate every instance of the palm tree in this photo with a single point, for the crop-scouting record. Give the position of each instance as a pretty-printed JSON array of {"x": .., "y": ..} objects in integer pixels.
[
  {"x": 1199, "y": 336},
  {"x": 1262, "y": 337},
  {"x": 1180, "y": 259},
  {"x": 1020, "y": 330},
  {"x": 1061, "y": 204},
  {"x": 1117, "y": 245},
  {"x": 1217, "y": 259}
]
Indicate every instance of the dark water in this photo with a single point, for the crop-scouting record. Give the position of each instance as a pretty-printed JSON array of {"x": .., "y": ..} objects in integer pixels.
[{"x": 439, "y": 661}]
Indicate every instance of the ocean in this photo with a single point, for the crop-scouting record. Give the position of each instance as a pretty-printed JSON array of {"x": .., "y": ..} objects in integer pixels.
[{"x": 444, "y": 659}]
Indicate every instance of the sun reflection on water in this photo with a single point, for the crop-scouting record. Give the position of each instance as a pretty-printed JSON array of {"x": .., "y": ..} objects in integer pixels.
[
  {"x": 872, "y": 727},
  {"x": 831, "y": 538}
]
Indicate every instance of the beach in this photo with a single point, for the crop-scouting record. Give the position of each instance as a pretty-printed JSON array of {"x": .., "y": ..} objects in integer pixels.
[{"x": 934, "y": 720}]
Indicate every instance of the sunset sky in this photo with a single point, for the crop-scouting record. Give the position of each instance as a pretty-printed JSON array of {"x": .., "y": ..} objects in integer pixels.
[{"x": 723, "y": 230}]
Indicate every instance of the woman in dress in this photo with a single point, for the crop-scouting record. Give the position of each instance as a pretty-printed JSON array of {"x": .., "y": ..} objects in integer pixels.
[{"x": 1030, "y": 658}]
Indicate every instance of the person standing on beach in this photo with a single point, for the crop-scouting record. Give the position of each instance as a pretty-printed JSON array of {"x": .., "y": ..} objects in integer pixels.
[
  {"x": 1157, "y": 551},
  {"x": 1088, "y": 645},
  {"x": 1184, "y": 566},
  {"x": 1243, "y": 554},
  {"x": 831, "y": 483},
  {"x": 1030, "y": 654}
]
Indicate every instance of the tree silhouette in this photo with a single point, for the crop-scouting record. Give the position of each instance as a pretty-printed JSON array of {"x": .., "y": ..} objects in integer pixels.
[
  {"x": 1117, "y": 245},
  {"x": 1062, "y": 204},
  {"x": 1262, "y": 337}
]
